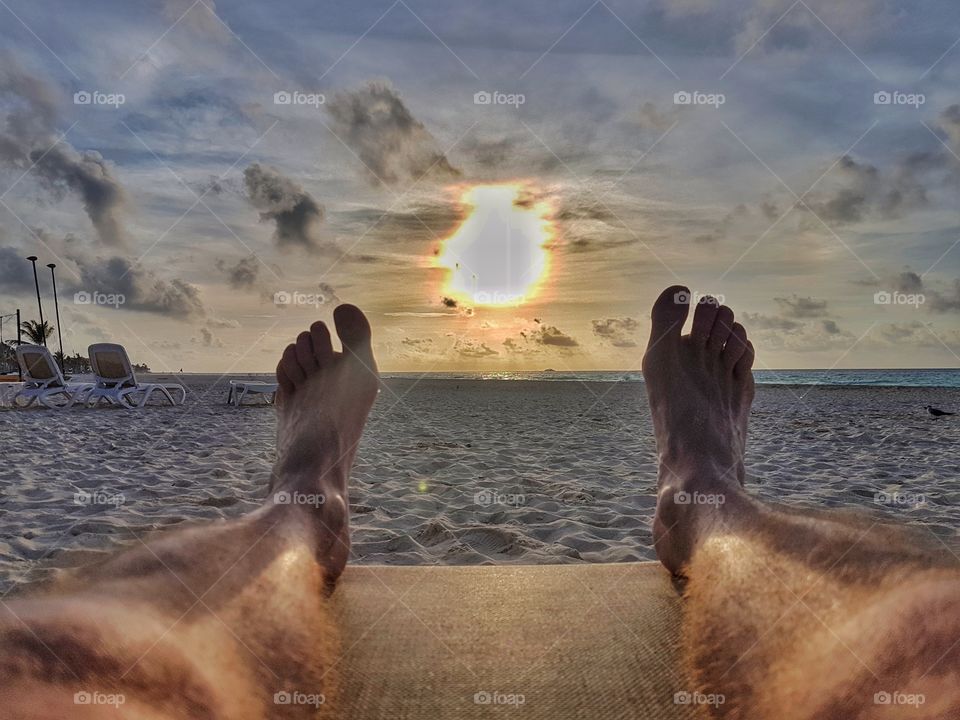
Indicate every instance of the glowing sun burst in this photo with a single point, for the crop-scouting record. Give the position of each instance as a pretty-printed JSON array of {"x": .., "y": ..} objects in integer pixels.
[{"x": 499, "y": 255}]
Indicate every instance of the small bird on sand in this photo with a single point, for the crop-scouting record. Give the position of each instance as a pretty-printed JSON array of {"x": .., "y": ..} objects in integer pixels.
[{"x": 937, "y": 412}]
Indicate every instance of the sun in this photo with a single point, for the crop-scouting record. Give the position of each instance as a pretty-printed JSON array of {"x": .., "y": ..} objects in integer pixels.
[{"x": 499, "y": 255}]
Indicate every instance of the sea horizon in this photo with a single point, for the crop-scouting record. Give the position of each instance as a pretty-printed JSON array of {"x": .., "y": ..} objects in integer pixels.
[{"x": 848, "y": 377}]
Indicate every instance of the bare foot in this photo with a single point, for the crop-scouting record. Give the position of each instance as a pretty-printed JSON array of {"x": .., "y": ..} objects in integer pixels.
[
  {"x": 700, "y": 387},
  {"x": 322, "y": 406}
]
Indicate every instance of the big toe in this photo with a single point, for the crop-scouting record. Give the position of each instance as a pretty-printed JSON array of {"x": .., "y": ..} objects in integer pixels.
[
  {"x": 354, "y": 331},
  {"x": 668, "y": 315}
]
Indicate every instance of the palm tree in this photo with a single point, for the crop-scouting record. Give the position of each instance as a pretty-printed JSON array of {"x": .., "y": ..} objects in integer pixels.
[{"x": 35, "y": 332}]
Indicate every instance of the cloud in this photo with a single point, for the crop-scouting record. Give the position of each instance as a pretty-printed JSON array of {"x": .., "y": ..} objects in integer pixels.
[
  {"x": 16, "y": 274},
  {"x": 208, "y": 339},
  {"x": 392, "y": 144},
  {"x": 949, "y": 122},
  {"x": 86, "y": 174},
  {"x": 329, "y": 293},
  {"x": 296, "y": 215},
  {"x": 244, "y": 274},
  {"x": 862, "y": 188},
  {"x": 779, "y": 334},
  {"x": 758, "y": 321},
  {"x": 491, "y": 153},
  {"x": 619, "y": 332},
  {"x": 917, "y": 334},
  {"x": 802, "y": 307},
  {"x": 143, "y": 291},
  {"x": 418, "y": 345},
  {"x": 949, "y": 301},
  {"x": 513, "y": 346},
  {"x": 553, "y": 336},
  {"x": 28, "y": 140},
  {"x": 908, "y": 282},
  {"x": 466, "y": 347},
  {"x": 416, "y": 223}
]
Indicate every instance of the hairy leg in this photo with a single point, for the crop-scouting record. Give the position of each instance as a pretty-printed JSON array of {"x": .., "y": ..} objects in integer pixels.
[
  {"x": 789, "y": 613},
  {"x": 215, "y": 620}
]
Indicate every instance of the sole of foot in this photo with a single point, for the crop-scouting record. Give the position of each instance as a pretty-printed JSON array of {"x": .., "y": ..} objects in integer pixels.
[
  {"x": 322, "y": 405},
  {"x": 700, "y": 387}
]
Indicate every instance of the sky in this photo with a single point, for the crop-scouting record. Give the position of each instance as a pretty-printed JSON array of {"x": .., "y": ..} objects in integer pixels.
[{"x": 500, "y": 186}]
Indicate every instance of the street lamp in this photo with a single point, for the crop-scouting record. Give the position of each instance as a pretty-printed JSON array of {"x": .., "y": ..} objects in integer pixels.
[
  {"x": 56, "y": 307},
  {"x": 36, "y": 284}
]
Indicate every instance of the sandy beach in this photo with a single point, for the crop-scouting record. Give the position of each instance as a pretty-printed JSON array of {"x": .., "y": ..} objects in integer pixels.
[{"x": 458, "y": 471}]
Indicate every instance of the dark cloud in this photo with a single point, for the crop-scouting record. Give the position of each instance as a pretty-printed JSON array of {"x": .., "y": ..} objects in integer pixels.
[
  {"x": 244, "y": 274},
  {"x": 296, "y": 214},
  {"x": 802, "y": 307},
  {"x": 28, "y": 139},
  {"x": 619, "y": 332},
  {"x": 861, "y": 188},
  {"x": 908, "y": 282},
  {"x": 392, "y": 144},
  {"x": 551, "y": 335},
  {"x": 86, "y": 174},
  {"x": 328, "y": 292},
  {"x": 143, "y": 290},
  {"x": 16, "y": 274}
]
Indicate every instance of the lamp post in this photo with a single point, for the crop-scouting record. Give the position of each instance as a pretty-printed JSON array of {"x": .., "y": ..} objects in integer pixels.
[
  {"x": 19, "y": 331},
  {"x": 36, "y": 284},
  {"x": 56, "y": 307}
]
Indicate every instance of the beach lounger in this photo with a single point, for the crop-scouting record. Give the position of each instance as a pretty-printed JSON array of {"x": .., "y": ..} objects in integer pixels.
[
  {"x": 117, "y": 383},
  {"x": 239, "y": 389},
  {"x": 43, "y": 381},
  {"x": 575, "y": 641}
]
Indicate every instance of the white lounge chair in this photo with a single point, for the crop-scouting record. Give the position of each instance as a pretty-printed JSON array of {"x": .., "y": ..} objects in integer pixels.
[
  {"x": 43, "y": 381},
  {"x": 239, "y": 389},
  {"x": 117, "y": 383}
]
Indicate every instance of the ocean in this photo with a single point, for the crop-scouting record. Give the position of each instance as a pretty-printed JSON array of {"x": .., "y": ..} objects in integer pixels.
[{"x": 936, "y": 377}]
